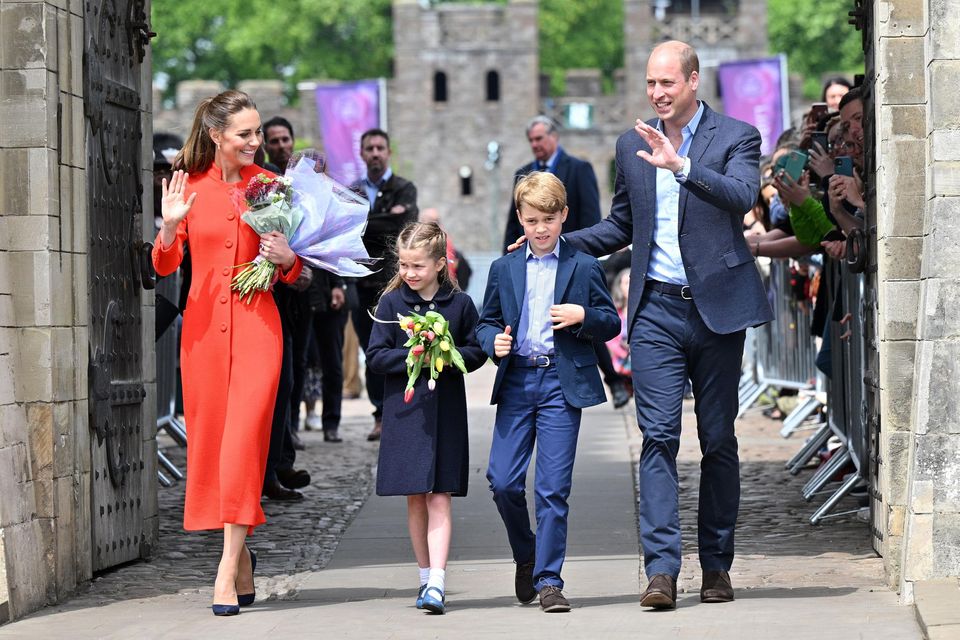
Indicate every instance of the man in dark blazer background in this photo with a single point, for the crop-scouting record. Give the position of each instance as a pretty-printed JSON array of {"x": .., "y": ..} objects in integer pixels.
[
  {"x": 393, "y": 205},
  {"x": 583, "y": 202},
  {"x": 577, "y": 176},
  {"x": 683, "y": 182}
]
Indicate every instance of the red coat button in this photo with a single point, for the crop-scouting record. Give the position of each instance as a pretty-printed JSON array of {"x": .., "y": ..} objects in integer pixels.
[
  {"x": 223, "y": 299},
  {"x": 228, "y": 244},
  {"x": 226, "y": 271},
  {"x": 223, "y": 327},
  {"x": 231, "y": 216}
]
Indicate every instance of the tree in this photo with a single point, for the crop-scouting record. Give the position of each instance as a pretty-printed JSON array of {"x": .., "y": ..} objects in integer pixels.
[
  {"x": 816, "y": 38},
  {"x": 294, "y": 40},
  {"x": 582, "y": 34}
]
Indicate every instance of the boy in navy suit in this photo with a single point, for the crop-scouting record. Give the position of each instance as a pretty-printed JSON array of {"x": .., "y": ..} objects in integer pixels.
[{"x": 543, "y": 308}]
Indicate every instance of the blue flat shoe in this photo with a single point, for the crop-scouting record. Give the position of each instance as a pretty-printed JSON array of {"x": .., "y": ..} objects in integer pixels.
[
  {"x": 434, "y": 600},
  {"x": 423, "y": 588},
  {"x": 247, "y": 599},
  {"x": 225, "y": 609}
]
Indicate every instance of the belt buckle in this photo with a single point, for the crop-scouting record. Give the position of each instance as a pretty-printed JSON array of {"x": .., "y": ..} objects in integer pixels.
[
  {"x": 537, "y": 361},
  {"x": 685, "y": 292}
]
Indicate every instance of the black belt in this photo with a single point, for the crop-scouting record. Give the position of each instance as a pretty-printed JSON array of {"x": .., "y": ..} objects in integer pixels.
[
  {"x": 679, "y": 290},
  {"x": 534, "y": 362}
]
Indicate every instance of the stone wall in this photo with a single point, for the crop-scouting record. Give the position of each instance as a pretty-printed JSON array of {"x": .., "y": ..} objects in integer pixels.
[
  {"x": 45, "y": 475},
  {"x": 918, "y": 203}
]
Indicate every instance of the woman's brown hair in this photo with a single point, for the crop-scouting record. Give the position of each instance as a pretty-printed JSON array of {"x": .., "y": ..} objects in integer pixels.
[
  {"x": 428, "y": 236},
  {"x": 199, "y": 150}
]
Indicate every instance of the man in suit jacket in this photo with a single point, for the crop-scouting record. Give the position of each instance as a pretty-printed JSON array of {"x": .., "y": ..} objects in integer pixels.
[
  {"x": 684, "y": 181},
  {"x": 577, "y": 176},
  {"x": 583, "y": 201},
  {"x": 393, "y": 205}
]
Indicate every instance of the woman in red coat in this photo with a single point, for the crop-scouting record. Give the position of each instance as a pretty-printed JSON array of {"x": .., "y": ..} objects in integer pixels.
[{"x": 230, "y": 350}]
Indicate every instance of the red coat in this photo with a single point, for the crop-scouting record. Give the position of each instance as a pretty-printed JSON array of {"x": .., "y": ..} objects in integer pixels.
[{"x": 230, "y": 354}]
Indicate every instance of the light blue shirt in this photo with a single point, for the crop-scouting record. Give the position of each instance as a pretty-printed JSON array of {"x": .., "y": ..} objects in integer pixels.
[
  {"x": 666, "y": 264},
  {"x": 373, "y": 189},
  {"x": 535, "y": 333}
]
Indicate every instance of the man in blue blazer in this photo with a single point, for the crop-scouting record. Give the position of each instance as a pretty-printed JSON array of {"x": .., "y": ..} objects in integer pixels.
[
  {"x": 684, "y": 181},
  {"x": 554, "y": 301},
  {"x": 577, "y": 176}
]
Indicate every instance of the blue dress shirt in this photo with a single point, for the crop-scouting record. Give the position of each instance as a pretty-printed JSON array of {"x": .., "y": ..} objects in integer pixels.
[
  {"x": 666, "y": 264},
  {"x": 373, "y": 189},
  {"x": 535, "y": 333}
]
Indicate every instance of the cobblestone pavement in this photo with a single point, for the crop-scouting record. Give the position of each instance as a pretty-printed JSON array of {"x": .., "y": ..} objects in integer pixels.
[
  {"x": 775, "y": 543},
  {"x": 299, "y": 536}
]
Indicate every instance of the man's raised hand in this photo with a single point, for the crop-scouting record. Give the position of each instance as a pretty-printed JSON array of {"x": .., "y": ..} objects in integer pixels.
[{"x": 662, "y": 154}]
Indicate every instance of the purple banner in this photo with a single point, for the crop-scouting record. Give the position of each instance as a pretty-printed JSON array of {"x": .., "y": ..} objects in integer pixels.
[
  {"x": 346, "y": 111},
  {"x": 753, "y": 91}
]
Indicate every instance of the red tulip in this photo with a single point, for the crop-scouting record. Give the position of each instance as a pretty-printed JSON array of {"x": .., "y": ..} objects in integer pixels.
[
  {"x": 431, "y": 335},
  {"x": 417, "y": 349},
  {"x": 408, "y": 395}
]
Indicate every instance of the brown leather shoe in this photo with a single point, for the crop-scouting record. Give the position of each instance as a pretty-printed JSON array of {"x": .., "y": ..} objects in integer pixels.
[
  {"x": 523, "y": 582},
  {"x": 661, "y": 592},
  {"x": 374, "y": 435},
  {"x": 716, "y": 587},
  {"x": 552, "y": 600}
]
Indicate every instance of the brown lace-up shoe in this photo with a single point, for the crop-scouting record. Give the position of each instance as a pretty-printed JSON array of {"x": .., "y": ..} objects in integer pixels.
[
  {"x": 552, "y": 600},
  {"x": 716, "y": 587},
  {"x": 661, "y": 593}
]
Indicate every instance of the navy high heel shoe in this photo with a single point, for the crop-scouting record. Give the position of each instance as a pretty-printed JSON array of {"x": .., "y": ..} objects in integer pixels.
[
  {"x": 246, "y": 599},
  {"x": 225, "y": 609}
]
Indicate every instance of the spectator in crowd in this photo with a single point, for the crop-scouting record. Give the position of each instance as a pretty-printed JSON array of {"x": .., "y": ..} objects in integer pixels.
[
  {"x": 327, "y": 299},
  {"x": 279, "y": 141},
  {"x": 393, "y": 205},
  {"x": 619, "y": 346},
  {"x": 834, "y": 89}
]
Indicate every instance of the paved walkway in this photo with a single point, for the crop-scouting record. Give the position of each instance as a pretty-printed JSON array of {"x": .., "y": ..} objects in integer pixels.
[{"x": 793, "y": 580}]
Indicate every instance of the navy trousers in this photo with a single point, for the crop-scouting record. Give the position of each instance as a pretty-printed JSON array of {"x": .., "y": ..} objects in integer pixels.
[
  {"x": 531, "y": 410},
  {"x": 670, "y": 343}
]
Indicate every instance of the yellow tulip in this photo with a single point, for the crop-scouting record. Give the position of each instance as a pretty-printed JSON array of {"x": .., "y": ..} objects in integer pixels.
[
  {"x": 417, "y": 327},
  {"x": 444, "y": 346},
  {"x": 438, "y": 328},
  {"x": 439, "y": 364}
]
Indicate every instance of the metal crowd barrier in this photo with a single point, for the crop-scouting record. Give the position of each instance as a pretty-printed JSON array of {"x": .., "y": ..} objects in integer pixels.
[
  {"x": 846, "y": 409},
  {"x": 166, "y": 356},
  {"x": 781, "y": 354}
]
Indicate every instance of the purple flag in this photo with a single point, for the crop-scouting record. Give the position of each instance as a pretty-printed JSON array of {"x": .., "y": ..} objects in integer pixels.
[
  {"x": 346, "y": 111},
  {"x": 754, "y": 91}
]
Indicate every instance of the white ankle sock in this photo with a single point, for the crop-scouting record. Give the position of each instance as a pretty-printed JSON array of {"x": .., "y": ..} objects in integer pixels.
[
  {"x": 436, "y": 579},
  {"x": 424, "y": 575}
]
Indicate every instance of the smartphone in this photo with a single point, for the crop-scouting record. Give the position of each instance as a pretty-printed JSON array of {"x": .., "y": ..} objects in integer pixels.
[
  {"x": 792, "y": 164},
  {"x": 820, "y": 138},
  {"x": 843, "y": 166},
  {"x": 817, "y": 111}
]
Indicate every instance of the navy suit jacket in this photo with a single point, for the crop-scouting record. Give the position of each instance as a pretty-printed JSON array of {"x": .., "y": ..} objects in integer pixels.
[
  {"x": 583, "y": 195},
  {"x": 580, "y": 280},
  {"x": 722, "y": 186}
]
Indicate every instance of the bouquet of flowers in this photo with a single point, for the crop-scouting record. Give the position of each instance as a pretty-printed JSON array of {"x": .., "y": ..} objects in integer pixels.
[
  {"x": 430, "y": 345},
  {"x": 322, "y": 220},
  {"x": 269, "y": 204}
]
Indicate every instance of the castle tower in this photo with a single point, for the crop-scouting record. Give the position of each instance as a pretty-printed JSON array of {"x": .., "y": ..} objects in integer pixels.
[{"x": 465, "y": 76}]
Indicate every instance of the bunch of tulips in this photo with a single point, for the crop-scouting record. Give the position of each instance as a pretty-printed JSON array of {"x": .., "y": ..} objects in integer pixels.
[{"x": 431, "y": 347}]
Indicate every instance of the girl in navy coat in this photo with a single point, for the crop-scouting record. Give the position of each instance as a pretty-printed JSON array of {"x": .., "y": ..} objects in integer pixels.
[{"x": 423, "y": 445}]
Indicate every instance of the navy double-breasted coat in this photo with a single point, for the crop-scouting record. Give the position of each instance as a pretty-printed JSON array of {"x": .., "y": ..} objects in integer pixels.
[{"x": 423, "y": 445}]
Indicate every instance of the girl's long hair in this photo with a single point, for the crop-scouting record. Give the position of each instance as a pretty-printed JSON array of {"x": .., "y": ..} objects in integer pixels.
[
  {"x": 199, "y": 150},
  {"x": 428, "y": 236}
]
